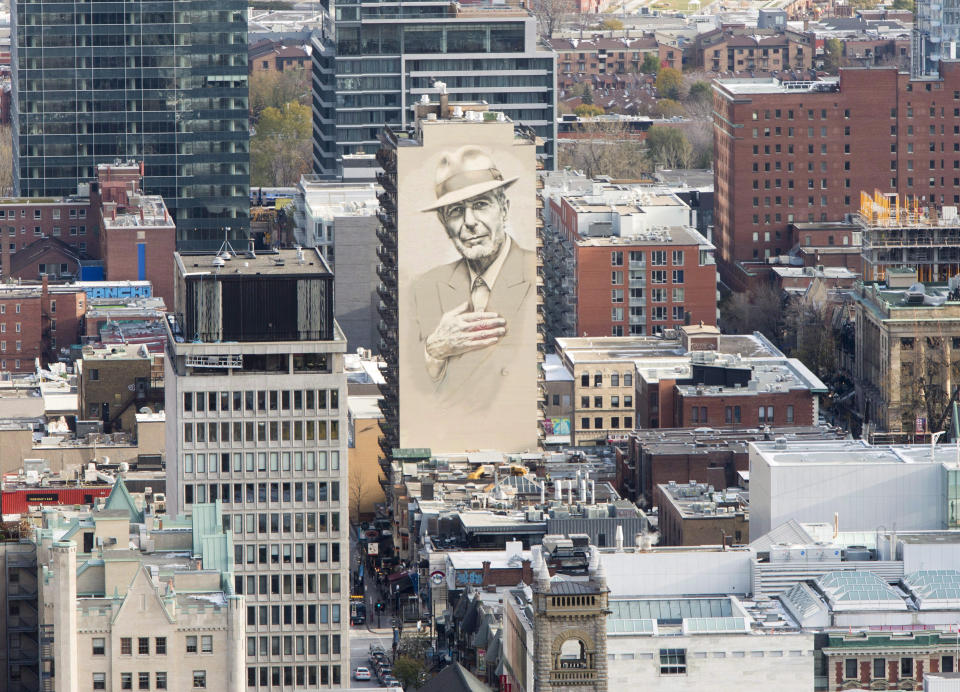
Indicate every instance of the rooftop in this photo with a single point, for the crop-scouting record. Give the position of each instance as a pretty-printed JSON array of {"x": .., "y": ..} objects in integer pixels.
[
  {"x": 848, "y": 452},
  {"x": 270, "y": 262},
  {"x": 700, "y": 501},
  {"x": 771, "y": 85}
]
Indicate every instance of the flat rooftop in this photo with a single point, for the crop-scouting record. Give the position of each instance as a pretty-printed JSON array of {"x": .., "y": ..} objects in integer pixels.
[
  {"x": 578, "y": 350},
  {"x": 270, "y": 262},
  {"x": 771, "y": 85},
  {"x": 669, "y": 235},
  {"x": 852, "y": 452}
]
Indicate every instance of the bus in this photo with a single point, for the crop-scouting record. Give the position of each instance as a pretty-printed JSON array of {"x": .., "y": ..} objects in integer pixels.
[{"x": 358, "y": 610}]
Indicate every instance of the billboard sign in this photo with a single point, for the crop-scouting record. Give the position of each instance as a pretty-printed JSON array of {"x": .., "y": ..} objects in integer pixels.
[{"x": 467, "y": 279}]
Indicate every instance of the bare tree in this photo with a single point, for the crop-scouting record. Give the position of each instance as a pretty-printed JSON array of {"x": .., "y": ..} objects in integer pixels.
[
  {"x": 759, "y": 310},
  {"x": 6, "y": 160},
  {"x": 604, "y": 148},
  {"x": 551, "y": 14},
  {"x": 362, "y": 487}
]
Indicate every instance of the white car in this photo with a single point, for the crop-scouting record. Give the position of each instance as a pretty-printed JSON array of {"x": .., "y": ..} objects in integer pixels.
[{"x": 361, "y": 673}]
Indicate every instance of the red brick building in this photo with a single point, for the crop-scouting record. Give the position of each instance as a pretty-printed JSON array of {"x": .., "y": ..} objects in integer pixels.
[
  {"x": 274, "y": 56},
  {"x": 632, "y": 260},
  {"x": 801, "y": 152},
  {"x": 600, "y": 60},
  {"x": 742, "y": 49},
  {"x": 35, "y": 321}
]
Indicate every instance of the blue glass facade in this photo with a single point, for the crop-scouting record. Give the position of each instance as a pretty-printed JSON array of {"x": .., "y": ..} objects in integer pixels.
[{"x": 161, "y": 82}]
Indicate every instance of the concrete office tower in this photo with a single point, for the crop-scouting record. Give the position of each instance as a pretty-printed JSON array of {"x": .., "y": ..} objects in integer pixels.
[
  {"x": 935, "y": 36},
  {"x": 386, "y": 58},
  {"x": 162, "y": 84},
  {"x": 340, "y": 219},
  {"x": 460, "y": 242},
  {"x": 256, "y": 419}
]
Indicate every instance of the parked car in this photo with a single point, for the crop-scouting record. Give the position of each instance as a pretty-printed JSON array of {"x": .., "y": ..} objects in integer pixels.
[{"x": 361, "y": 673}]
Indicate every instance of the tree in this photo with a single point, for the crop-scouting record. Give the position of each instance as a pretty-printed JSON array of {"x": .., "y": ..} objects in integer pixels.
[
  {"x": 904, "y": 5},
  {"x": 551, "y": 14},
  {"x": 667, "y": 108},
  {"x": 668, "y": 147},
  {"x": 700, "y": 92},
  {"x": 604, "y": 148},
  {"x": 6, "y": 161},
  {"x": 611, "y": 24},
  {"x": 281, "y": 150},
  {"x": 700, "y": 135},
  {"x": 586, "y": 110},
  {"x": 814, "y": 342},
  {"x": 832, "y": 55},
  {"x": 669, "y": 81},
  {"x": 409, "y": 671},
  {"x": 273, "y": 89},
  {"x": 586, "y": 93},
  {"x": 363, "y": 484},
  {"x": 650, "y": 64},
  {"x": 759, "y": 310}
]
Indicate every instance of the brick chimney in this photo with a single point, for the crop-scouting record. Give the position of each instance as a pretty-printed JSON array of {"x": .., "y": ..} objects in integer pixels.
[
  {"x": 526, "y": 572},
  {"x": 486, "y": 573}
]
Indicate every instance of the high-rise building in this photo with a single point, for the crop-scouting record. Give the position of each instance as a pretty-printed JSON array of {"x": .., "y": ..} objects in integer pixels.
[
  {"x": 386, "y": 58},
  {"x": 790, "y": 153},
  {"x": 461, "y": 291},
  {"x": 256, "y": 419},
  {"x": 162, "y": 84},
  {"x": 935, "y": 35}
]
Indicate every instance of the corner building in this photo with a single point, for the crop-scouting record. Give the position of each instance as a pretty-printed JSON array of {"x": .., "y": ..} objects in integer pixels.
[
  {"x": 799, "y": 152},
  {"x": 256, "y": 419},
  {"x": 159, "y": 82}
]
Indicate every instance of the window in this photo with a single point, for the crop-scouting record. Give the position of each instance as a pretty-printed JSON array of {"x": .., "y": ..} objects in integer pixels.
[
  {"x": 126, "y": 646},
  {"x": 616, "y": 258},
  {"x": 658, "y": 258},
  {"x": 678, "y": 276},
  {"x": 946, "y": 664},
  {"x": 616, "y": 278},
  {"x": 191, "y": 644},
  {"x": 143, "y": 681},
  {"x": 677, "y": 259},
  {"x": 99, "y": 681},
  {"x": 160, "y": 646},
  {"x": 199, "y": 678},
  {"x": 99, "y": 645},
  {"x": 143, "y": 645},
  {"x": 161, "y": 681},
  {"x": 850, "y": 668},
  {"x": 206, "y": 644},
  {"x": 673, "y": 661},
  {"x": 906, "y": 667},
  {"x": 789, "y": 414},
  {"x": 126, "y": 681},
  {"x": 879, "y": 669}
]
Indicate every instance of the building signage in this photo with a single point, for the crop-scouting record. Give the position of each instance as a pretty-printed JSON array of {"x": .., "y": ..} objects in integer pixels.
[{"x": 42, "y": 497}]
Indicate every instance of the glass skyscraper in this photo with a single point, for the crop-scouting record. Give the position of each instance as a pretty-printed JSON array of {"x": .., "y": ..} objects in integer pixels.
[
  {"x": 387, "y": 55},
  {"x": 160, "y": 82}
]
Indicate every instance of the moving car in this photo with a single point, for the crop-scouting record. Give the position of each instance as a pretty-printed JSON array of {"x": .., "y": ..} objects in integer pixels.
[{"x": 361, "y": 673}]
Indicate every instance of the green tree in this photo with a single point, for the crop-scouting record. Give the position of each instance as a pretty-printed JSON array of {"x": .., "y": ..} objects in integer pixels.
[
  {"x": 669, "y": 81},
  {"x": 700, "y": 92},
  {"x": 904, "y": 5},
  {"x": 611, "y": 24},
  {"x": 408, "y": 671},
  {"x": 280, "y": 151},
  {"x": 587, "y": 110},
  {"x": 650, "y": 64},
  {"x": 832, "y": 55},
  {"x": 667, "y": 108},
  {"x": 586, "y": 93},
  {"x": 668, "y": 147}
]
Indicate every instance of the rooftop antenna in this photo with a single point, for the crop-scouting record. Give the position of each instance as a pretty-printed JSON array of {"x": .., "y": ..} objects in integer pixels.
[{"x": 226, "y": 251}]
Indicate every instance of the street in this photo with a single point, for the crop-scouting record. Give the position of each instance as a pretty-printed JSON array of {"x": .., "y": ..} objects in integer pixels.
[{"x": 360, "y": 640}]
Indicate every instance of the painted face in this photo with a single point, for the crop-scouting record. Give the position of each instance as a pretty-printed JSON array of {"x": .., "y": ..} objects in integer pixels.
[{"x": 476, "y": 225}]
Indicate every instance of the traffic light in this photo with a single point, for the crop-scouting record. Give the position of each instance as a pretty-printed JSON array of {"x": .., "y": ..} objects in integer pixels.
[{"x": 379, "y": 605}]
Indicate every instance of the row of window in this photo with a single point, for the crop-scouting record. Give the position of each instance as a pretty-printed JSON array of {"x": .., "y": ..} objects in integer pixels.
[
  {"x": 615, "y": 379},
  {"x": 658, "y": 276},
  {"x": 38, "y": 230},
  {"x": 304, "y": 675},
  {"x": 660, "y": 313},
  {"x": 143, "y": 680},
  {"x": 879, "y": 667},
  {"x": 313, "y": 492},
  {"x": 281, "y": 523},
  {"x": 293, "y": 615},
  {"x": 637, "y": 329},
  {"x": 299, "y": 645},
  {"x": 261, "y": 400},
  {"x": 658, "y": 258},
  {"x": 614, "y": 423},
  {"x": 287, "y": 584},
  {"x": 38, "y": 213},
  {"x": 3, "y": 346},
  {"x": 657, "y": 295},
  {"x": 262, "y": 431},
  {"x": 143, "y": 645},
  {"x": 257, "y": 462},
  {"x": 765, "y": 414},
  {"x": 292, "y": 553},
  {"x": 614, "y": 401}
]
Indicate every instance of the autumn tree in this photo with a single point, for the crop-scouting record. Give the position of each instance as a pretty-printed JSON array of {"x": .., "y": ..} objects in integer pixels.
[
  {"x": 832, "y": 55},
  {"x": 669, "y": 82},
  {"x": 650, "y": 64},
  {"x": 6, "y": 160},
  {"x": 281, "y": 150},
  {"x": 588, "y": 110},
  {"x": 667, "y": 108},
  {"x": 668, "y": 147},
  {"x": 274, "y": 89},
  {"x": 611, "y": 24},
  {"x": 409, "y": 671},
  {"x": 700, "y": 135}
]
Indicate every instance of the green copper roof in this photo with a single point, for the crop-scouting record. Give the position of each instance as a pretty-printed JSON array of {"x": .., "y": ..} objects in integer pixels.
[
  {"x": 121, "y": 499},
  {"x": 211, "y": 543}
]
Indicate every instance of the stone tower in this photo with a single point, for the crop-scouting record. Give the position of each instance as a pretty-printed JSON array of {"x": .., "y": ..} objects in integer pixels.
[{"x": 570, "y": 631}]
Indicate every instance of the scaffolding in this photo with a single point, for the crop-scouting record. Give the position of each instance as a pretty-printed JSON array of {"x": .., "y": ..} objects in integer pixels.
[{"x": 908, "y": 233}]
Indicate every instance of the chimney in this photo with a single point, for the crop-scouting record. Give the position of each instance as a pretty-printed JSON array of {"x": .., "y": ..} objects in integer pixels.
[
  {"x": 444, "y": 105},
  {"x": 141, "y": 169},
  {"x": 486, "y": 573},
  {"x": 5, "y": 259},
  {"x": 44, "y": 290},
  {"x": 526, "y": 572}
]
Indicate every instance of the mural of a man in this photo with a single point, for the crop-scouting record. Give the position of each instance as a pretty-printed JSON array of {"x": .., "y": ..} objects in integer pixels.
[{"x": 470, "y": 314}]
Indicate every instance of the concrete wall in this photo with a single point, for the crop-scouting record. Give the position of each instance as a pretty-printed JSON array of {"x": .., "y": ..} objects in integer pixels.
[
  {"x": 720, "y": 663},
  {"x": 355, "y": 280},
  {"x": 365, "y": 473},
  {"x": 678, "y": 572}
]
